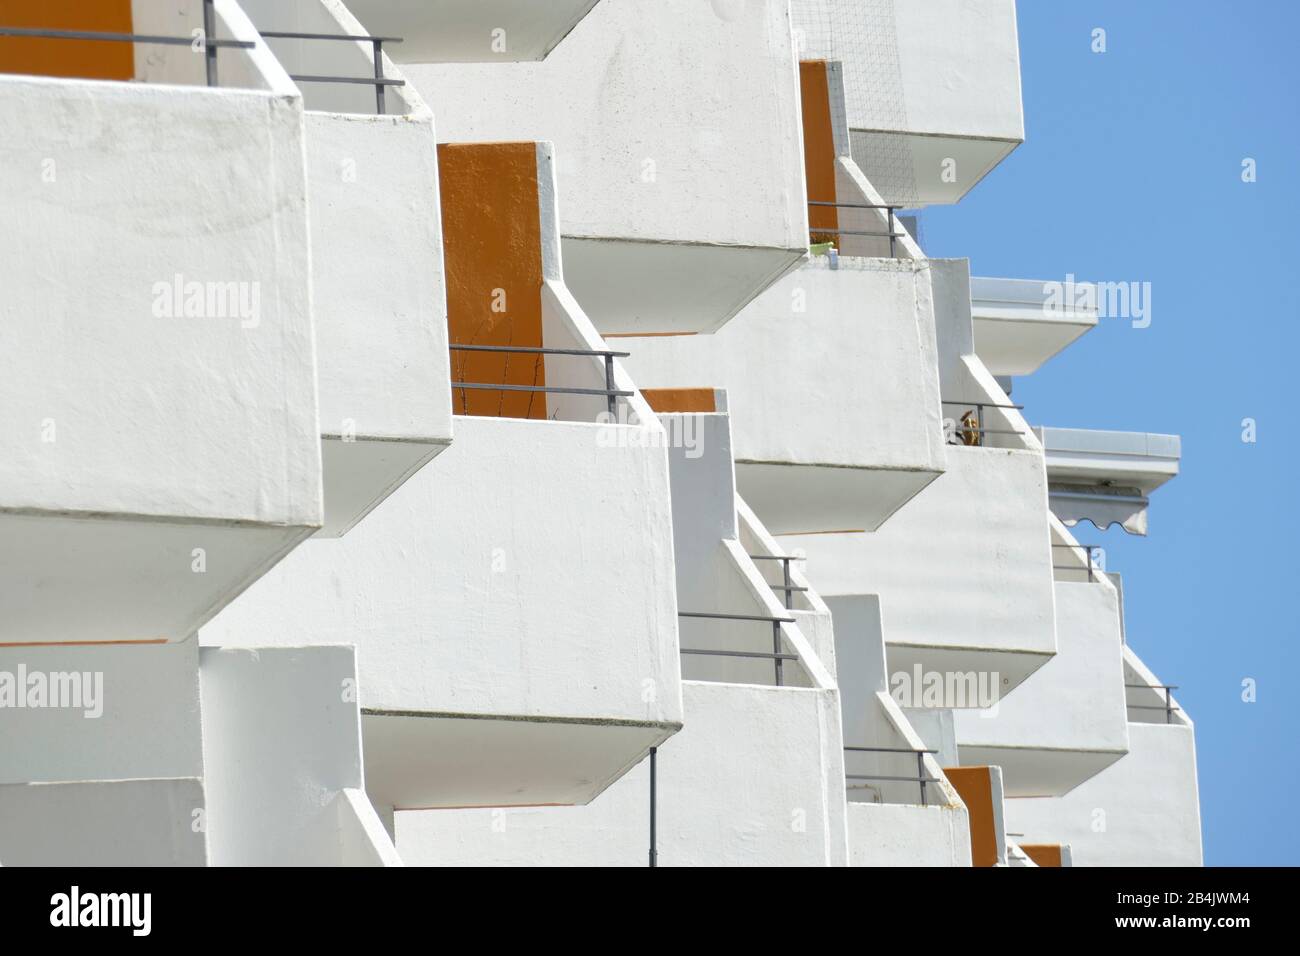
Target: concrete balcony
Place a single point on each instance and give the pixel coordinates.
(1140, 811)
(517, 637)
(159, 398)
(1021, 323)
(472, 31)
(381, 319)
(677, 206)
(1107, 477)
(1066, 723)
(832, 376)
(933, 90)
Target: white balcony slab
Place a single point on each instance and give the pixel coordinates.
(832, 381)
(1107, 477)
(159, 391)
(933, 90)
(1021, 323)
(720, 800)
(1066, 722)
(676, 207)
(472, 31)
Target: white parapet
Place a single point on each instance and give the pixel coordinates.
(159, 398)
(932, 89)
(472, 31)
(832, 379)
(677, 206)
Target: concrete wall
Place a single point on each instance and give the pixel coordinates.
(894, 835)
(749, 781)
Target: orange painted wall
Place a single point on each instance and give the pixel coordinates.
(492, 251)
(1044, 854)
(680, 399)
(975, 785)
(88, 59)
(818, 148)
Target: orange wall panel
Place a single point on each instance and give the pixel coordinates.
(1044, 854)
(87, 59)
(975, 785)
(492, 251)
(680, 399)
(819, 158)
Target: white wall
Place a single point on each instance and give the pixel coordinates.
(895, 835)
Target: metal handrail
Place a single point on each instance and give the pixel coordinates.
(788, 589)
(920, 777)
(893, 236)
(777, 657)
(210, 44)
(1089, 548)
(380, 82)
(611, 393)
(1168, 707)
(979, 430)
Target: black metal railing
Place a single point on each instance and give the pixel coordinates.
(777, 658)
(208, 44)
(1089, 549)
(787, 589)
(891, 215)
(1168, 706)
(921, 778)
(972, 430)
(379, 81)
(654, 806)
(611, 393)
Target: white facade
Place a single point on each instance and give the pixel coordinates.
(667, 503)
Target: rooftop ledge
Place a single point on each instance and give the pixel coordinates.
(1021, 323)
(1106, 477)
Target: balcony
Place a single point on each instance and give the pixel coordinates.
(472, 31)
(932, 91)
(517, 637)
(677, 208)
(1066, 722)
(1021, 323)
(833, 378)
(159, 396)
(715, 797)
(1107, 477)
(372, 184)
(1142, 810)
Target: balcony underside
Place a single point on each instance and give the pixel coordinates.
(800, 499)
(432, 761)
(82, 579)
(1008, 665)
(644, 287)
(1019, 344)
(1040, 772)
(359, 474)
(463, 31)
(908, 169)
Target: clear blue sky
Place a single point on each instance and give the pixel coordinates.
(1131, 171)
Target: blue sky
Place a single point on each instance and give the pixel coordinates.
(1131, 171)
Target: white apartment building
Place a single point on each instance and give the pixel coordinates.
(488, 432)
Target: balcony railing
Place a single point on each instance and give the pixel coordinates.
(786, 590)
(1089, 549)
(379, 81)
(777, 658)
(921, 777)
(1168, 706)
(611, 393)
(206, 43)
(893, 235)
(972, 431)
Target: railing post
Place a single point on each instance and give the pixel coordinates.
(654, 852)
(789, 595)
(1169, 708)
(892, 253)
(920, 774)
(379, 75)
(609, 387)
(1088, 548)
(776, 649)
(209, 34)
